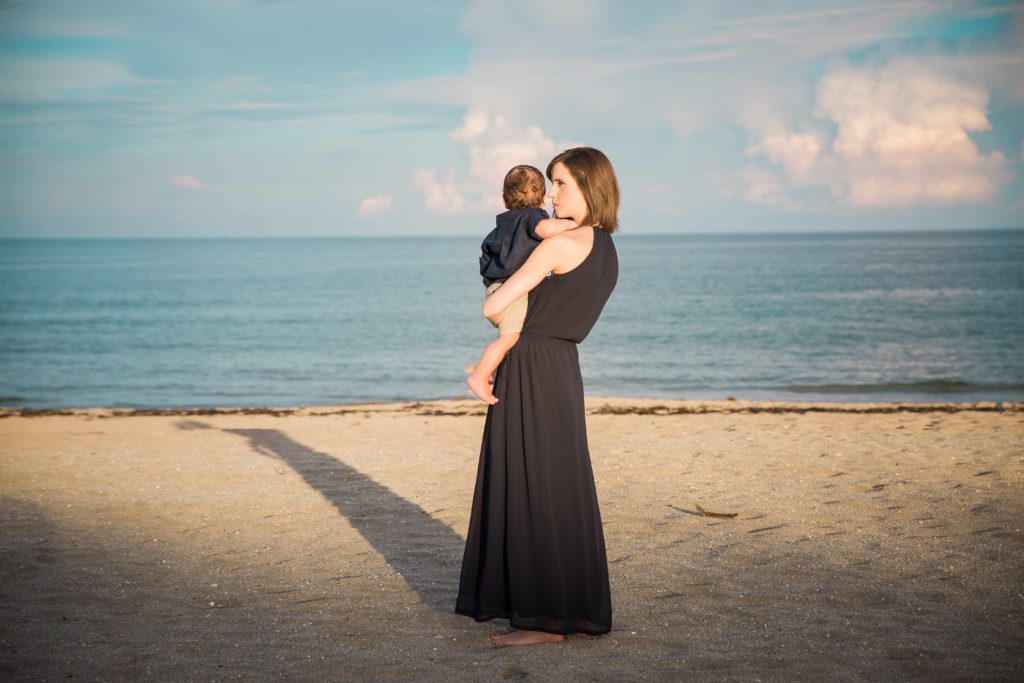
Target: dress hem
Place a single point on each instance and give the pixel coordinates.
(512, 623)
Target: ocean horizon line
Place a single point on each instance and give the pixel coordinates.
(623, 233)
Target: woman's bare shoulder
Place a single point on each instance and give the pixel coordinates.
(571, 246)
(580, 238)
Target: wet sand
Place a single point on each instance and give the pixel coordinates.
(870, 542)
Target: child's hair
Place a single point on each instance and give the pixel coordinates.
(594, 174)
(524, 188)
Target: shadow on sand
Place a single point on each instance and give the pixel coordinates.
(412, 542)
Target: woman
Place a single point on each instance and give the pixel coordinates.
(535, 550)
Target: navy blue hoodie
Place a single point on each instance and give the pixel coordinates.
(507, 247)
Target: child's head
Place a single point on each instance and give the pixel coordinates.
(524, 188)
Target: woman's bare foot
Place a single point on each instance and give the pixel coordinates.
(481, 388)
(522, 637)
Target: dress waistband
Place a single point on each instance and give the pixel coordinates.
(547, 336)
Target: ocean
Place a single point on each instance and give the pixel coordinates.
(932, 316)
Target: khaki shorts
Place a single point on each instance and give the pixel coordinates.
(514, 316)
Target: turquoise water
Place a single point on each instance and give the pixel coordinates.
(255, 322)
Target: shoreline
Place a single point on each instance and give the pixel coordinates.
(595, 405)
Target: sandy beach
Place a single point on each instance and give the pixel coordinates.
(869, 542)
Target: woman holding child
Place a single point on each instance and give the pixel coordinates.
(535, 551)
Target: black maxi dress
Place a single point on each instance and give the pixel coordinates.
(535, 552)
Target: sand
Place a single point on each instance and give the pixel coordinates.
(870, 542)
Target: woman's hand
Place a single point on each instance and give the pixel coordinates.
(542, 261)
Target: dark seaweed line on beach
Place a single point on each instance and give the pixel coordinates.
(796, 408)
(440, 411)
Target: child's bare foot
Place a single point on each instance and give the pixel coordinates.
(481, 388)
(522, 637)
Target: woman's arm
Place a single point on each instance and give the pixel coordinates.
(549, 227)
(541, 262)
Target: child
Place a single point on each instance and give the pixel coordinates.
(519, 230)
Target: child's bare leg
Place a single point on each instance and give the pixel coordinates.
(490, 359)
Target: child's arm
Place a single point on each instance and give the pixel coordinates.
(549, 227)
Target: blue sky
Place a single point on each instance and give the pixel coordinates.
(274, 118)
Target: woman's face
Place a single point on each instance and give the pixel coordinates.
(566, 198)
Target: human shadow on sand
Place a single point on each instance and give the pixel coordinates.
(423, 550)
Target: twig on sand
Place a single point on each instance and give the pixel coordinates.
(727, 515)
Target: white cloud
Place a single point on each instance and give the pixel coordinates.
(374, 206)
(441, 196)
(796, 152)
(33, 79)
(577, 61)
(693, 69)
(186, 182)
(493, 146)
(901, 138)
(474, 124)
(761, 187)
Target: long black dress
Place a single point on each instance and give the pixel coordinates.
(535, 551)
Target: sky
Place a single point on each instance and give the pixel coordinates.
(275, 118)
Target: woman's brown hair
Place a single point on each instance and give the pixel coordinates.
(593, 172)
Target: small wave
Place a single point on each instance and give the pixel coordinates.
(938, 386)
(4, 400)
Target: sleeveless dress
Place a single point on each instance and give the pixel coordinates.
(535, 552)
